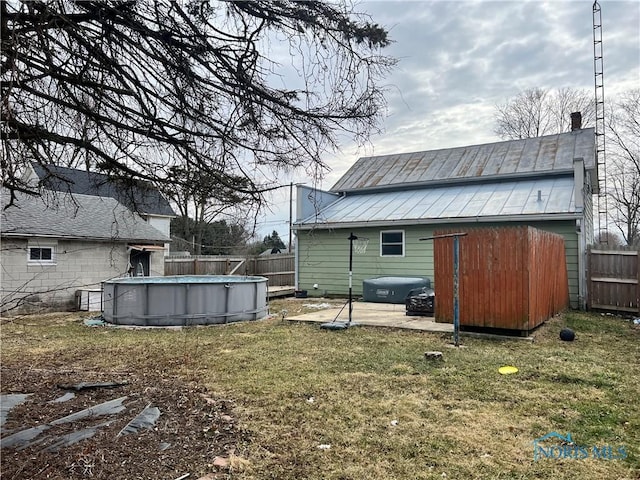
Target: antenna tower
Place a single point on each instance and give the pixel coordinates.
(598, 69)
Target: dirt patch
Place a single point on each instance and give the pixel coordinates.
(194, 431)
(291, 307)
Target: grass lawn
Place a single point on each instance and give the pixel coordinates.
(369, 393)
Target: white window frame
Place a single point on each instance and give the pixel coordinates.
(382, 232)
(35, 246)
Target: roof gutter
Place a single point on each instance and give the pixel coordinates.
(449, 182)
(86, 239)
(158, 215)
(439, 221)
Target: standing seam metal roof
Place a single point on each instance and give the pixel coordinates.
(516, 158)
(542, 197)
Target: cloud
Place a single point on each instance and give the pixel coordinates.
(458, 59)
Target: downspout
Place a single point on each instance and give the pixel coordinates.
(296, 262)
(582, 267)
(579, 192)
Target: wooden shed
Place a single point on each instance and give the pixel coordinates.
(510, 278)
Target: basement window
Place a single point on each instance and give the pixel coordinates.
(42, 255)
(392, 243)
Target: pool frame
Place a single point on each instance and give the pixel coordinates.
(184, 300)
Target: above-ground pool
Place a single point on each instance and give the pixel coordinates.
(184, 300)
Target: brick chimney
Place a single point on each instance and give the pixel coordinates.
(576, 121)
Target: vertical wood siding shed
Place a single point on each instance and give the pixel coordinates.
(510, 278)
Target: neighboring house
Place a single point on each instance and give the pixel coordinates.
(139, 196)
(394, 200)
(58, 243)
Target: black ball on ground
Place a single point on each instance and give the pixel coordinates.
(567, 335)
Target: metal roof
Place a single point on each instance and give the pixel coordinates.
(75, 216)
(543, 198)
(507, 159)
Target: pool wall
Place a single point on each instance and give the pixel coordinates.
(184, 300)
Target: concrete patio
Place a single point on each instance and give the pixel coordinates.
(375, 315)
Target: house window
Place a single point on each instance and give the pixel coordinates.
(41, 255)
(392, 243)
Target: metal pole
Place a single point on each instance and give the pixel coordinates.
(456, 271)
(290, 212)
(456, 280)
(352, 237)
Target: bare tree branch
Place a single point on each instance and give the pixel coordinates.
(538, 111)
(135, 89)
(623, 171)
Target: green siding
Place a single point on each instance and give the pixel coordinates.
(324, 259)
(323, 256)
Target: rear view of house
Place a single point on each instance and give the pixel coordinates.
(394, 200)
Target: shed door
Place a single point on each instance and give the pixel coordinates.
(140, 263)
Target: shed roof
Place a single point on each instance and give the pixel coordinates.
(139, 196)
(542, 198)
(508, 159)
(75, 216)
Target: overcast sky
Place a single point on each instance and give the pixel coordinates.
(458, 59)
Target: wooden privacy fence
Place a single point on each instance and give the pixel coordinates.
(613, 276)
(279, 268)
(510, 278)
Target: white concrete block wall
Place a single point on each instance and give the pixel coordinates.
(78, 265)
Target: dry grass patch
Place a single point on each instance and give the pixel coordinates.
(371, 396)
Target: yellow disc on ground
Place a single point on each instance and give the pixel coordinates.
(507, 370)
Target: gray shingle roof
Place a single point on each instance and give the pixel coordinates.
(75, 216)
(139, 196)
(530, 157)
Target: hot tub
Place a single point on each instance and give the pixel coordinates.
(391, 289)
(184, 300)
